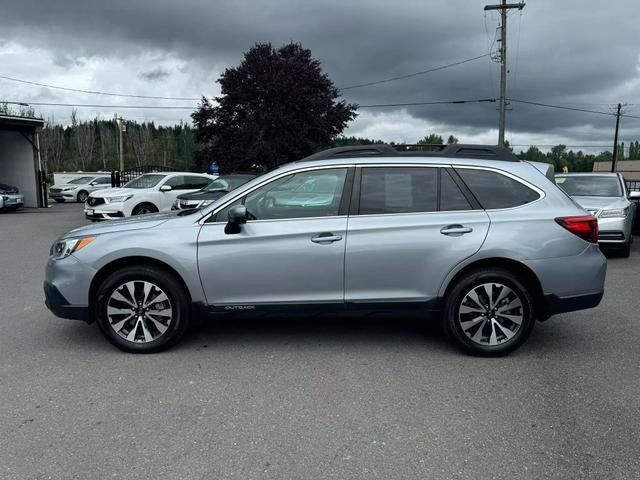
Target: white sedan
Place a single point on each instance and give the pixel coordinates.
(148, 193)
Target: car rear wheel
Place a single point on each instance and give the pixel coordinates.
(489, 312)
(142, 309)
(82, 196)
(144, 208)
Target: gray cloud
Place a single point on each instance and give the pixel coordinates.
(571, 52)
(155, 74)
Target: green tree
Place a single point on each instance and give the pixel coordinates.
(276, 106)
(452, 140)
(431, 139)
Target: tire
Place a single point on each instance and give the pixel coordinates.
(59, 200)
(82, 196)
(144, 208)
(625, 251)
(143, 330)
(473, 328)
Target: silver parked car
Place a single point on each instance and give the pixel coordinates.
(470, 235)
(605, 196)
(10, 197)
(78, 189)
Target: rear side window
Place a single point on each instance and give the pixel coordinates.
(398, 190)
(495, 190)
(451, 197)
(103, 180)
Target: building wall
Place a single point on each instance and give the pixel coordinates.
(630, 169)
(17, 166)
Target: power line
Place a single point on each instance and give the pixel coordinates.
(560, 107)
(436, 102)
(97, 105)
(94, 92)
(410, 75)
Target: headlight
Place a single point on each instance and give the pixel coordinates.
(68, 188)
(118, 199)
(204, 203)
(614, 212)
(63, 248)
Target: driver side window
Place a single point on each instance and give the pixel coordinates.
(314, 193)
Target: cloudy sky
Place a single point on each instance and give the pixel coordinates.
(582, 54)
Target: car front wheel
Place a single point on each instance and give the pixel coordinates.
(82, 196)
(489, 312)
(142, 309)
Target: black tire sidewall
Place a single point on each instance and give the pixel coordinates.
(152, 208)
(163, 279)
(80, 193)
(454, 330)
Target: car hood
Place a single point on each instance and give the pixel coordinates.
(4, 188)
(137, 222)
(598, 203)
(202, 195)
(113, 192)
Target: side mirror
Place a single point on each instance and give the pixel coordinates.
(93, 184)
(634, 195)
(165, 188)
(237, 216)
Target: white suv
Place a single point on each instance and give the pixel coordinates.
(78, 189)
(148, 193)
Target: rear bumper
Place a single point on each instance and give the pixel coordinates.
(60, 307)
(556, 304)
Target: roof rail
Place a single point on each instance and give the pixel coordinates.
(491, 152)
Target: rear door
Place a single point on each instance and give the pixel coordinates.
(409, 226)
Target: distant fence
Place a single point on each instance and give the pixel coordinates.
(119, 178)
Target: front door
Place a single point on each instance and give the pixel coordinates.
(412, 226)
(291, 252)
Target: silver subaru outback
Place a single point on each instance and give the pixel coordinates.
(469, 235)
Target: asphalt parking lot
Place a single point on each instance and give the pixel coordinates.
(310, 397)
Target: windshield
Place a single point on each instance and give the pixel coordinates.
(80, 181)
(590, 186)
(227, 183)
(147, 180)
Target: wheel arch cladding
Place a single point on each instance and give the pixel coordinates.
(522, 271)
(137, 261)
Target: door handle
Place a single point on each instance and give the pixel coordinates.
(326, 237)
(455, 230)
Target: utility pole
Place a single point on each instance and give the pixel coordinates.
(503, 7)
(615, 140)
(121, 128)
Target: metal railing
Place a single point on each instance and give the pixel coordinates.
(119, 178)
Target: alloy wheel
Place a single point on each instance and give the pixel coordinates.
(490, 314)
(139, 311)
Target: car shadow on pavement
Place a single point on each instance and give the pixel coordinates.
(373, 329)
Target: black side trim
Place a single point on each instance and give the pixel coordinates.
(556, 304)
(60, 307)
(354, 207)
(345, 201)
(424, 307)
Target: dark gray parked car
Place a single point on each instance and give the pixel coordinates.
(470, 235)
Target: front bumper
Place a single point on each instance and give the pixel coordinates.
(60, 307)
(12, 200)
(97, 214)
(66, 288)
(614, 230)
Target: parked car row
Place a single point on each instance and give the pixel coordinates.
(472, 236)
(606, 197)
(10, 197)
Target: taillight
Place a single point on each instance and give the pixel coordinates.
(586, 226)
